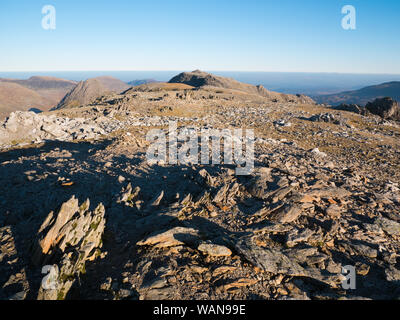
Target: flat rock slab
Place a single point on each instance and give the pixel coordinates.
(175, 237)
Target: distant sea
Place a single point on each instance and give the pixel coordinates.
(286, 82)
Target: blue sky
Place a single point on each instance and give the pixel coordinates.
(240, 35)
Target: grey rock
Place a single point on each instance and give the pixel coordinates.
(389, 226)
(392, 274)
(287, 213)
(365, 250)
(275, 261)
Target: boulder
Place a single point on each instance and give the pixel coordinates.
(386, 108)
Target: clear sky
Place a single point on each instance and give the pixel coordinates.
(240, 35)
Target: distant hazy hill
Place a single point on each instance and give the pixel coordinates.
(364, 95)
(37, 92)
(199, 78)
(87, 91)
(41, 83)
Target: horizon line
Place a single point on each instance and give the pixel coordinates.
(243, 71)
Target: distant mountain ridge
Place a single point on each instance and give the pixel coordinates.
(363, 96)
(41, 82)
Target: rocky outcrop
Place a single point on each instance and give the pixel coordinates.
(386, 108)
(67, 240)
(29, 127)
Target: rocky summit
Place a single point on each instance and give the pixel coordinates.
(85, 215)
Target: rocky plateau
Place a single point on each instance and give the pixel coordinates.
(79, 196)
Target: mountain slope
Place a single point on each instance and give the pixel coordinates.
(36, 92)
(16, 97)
(87, 91)
(364, 95)
(202, 79)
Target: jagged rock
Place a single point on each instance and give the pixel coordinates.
(129, 196)
(69, 239)
(227, 193)
(54, 224)
(209, 180)
(294, 237)
(264, 185)
(171, 238)
(157, 200)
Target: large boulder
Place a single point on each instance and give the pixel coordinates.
(387, 108)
